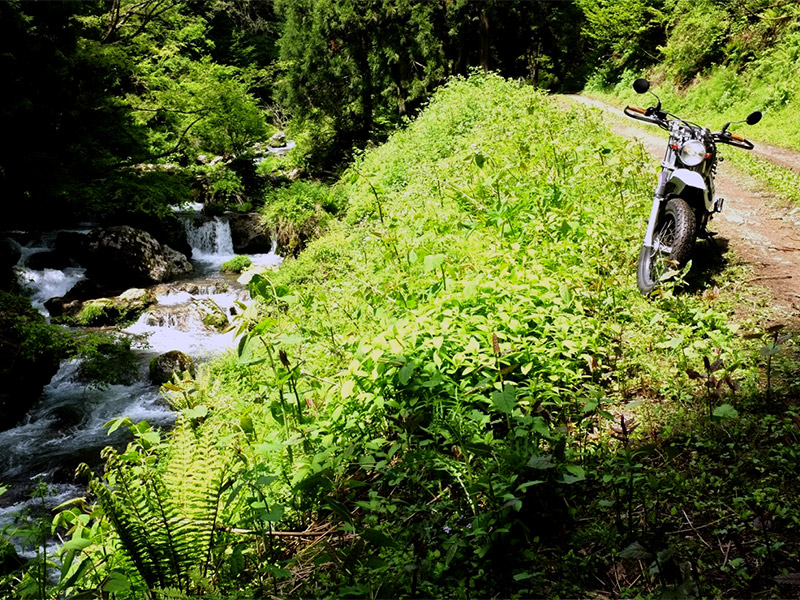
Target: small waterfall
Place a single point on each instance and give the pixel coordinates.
(45, 283)
(212, 241)
(192, 315)
(209, 236)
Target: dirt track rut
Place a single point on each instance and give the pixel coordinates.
(761, 228)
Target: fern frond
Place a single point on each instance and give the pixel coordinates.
(134, 540)
(165, 514)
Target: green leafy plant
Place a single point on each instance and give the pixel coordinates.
(237, 264)
(301, 212)
(165, 516)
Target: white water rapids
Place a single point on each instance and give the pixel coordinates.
(66, 426)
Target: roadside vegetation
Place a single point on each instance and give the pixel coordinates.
(458, 387)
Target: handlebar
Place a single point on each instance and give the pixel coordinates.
(648, 116)
(640, 114)
(734, 140)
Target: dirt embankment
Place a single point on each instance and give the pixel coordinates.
(761, 228)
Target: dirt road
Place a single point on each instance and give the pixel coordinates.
(760, 228)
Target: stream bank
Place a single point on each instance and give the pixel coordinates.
(66, 425)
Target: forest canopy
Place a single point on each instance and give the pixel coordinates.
(96, 90)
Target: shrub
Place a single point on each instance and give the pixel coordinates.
(301, 212)
(107, 361)
(237, 264)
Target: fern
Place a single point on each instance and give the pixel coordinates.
(165, 513)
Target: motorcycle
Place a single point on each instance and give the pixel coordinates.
(684, 200)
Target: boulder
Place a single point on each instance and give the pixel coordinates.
(164, 366)
(126, 255)
(249, 234)
(168, 230)
(200, 313)
(278, 140)
(211, 314)
(63, 306)
(101, 312)
(70, 304)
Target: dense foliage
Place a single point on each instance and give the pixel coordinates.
(717, 62)
(125, 102)
(458, 387)
(99, 91)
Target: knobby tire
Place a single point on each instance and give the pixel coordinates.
(673, 240)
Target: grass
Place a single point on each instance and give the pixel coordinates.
(458, 387)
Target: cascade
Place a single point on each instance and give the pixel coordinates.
(66, 426)
(209, 237)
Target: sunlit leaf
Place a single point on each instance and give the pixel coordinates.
(505, 400)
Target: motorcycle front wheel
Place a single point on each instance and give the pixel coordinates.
(673, 239)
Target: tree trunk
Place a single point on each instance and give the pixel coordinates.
(361, 57)
(484, 29)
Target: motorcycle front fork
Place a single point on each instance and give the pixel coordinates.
(659, 196)
(651, 223)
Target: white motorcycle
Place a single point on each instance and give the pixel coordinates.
(684, 199)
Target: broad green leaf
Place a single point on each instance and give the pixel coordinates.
(276, 514)
(575, 474)
(152, 437)
(347, 388)
(635, 551)
(198, 412)
(76, 544)
(541, 462)
(725, 411)
(433, 261)
(116, 583)
(405, 373)
(505, 400)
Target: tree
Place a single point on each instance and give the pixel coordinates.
(353, 64)
(97, 88)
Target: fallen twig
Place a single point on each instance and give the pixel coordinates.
(307, 533)
(697, 533)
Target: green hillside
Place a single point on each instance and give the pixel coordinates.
(458, 391)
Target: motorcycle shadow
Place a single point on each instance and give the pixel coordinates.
(709, 260)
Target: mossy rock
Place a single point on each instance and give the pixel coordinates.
(98, 313)
(165, 366)
(213, 317)
(126, 307)
(237, 264)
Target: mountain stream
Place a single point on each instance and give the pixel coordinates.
(66, 426)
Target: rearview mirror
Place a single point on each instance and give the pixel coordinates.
(754, 117)
(641, 85)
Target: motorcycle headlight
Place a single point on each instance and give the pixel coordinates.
(693, 153)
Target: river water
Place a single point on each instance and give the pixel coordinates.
(66, 426)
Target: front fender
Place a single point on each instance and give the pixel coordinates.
(683, 178)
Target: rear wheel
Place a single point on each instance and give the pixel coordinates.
(673, 239)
